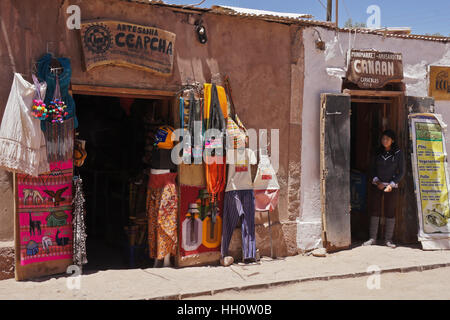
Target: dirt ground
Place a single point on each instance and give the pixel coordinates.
(428, 285)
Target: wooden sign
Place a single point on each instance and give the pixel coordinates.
(107, 42)
(373, 69)
(439, 83)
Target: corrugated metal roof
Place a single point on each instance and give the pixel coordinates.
(256, 12)
(287, 18)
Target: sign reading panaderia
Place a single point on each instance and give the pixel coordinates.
(440, 83)
(373, 69)
(108, 42)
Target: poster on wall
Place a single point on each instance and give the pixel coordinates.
(199, 231)
(429, 162)
(108, 42)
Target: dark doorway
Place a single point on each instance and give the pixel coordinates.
(369, 117)
(118, 139)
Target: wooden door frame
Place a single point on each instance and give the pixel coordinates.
(121, 92)
(397, 99)
(39, 269)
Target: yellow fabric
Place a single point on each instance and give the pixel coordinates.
(222, 99)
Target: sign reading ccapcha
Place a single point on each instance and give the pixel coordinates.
(107, 42)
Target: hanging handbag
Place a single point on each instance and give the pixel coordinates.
(57, 108)
(39, 109)
(236, 132)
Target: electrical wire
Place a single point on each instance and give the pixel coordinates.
(320, 1)
(195, 4)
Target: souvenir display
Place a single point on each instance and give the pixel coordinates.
(57, 72)
(22, 143)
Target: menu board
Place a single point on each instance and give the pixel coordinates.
(431, 176)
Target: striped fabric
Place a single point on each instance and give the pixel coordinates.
(239, 203)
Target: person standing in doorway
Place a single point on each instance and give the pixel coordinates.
(388, 169)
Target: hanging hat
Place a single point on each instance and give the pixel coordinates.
(163, 138)
(203, 194)
(79, 153)
(193, 207)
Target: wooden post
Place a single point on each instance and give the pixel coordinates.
(337, 14)
(329, 9)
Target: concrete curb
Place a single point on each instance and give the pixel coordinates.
(267, 285)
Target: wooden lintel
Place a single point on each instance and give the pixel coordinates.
(374, 93)
(121, 92)
(371, 100)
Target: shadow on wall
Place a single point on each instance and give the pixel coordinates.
(6, 206)
(282, 236)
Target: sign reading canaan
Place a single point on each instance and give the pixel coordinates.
(440, 83)
(373, 69)
(108, 42)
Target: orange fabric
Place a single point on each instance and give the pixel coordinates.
(215, 175)
(222, 100)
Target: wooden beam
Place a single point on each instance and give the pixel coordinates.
(121, 92)
(374, 93)
(371, 100)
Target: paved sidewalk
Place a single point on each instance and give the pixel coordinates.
(168, 283)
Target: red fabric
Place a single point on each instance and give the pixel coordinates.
(157, 181)
(126, 103)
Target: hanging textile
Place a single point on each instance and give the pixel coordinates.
(162, 209)
(239, 201)
(60, 140)
(236, 132)
(22, 143)
(208, 96)
(45, 73)
(192, 121)
(79, 226)
(265, 185)
(239, 204)
(215, 166)
(45, 211)
(197, 232)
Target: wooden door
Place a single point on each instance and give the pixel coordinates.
(335, 170)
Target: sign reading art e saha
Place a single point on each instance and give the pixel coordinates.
(373, 69)
(119, 43)
(440, 83)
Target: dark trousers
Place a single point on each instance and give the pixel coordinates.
(389, 198)
(239, 204)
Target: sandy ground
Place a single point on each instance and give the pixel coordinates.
(172, 283)
(428, 285)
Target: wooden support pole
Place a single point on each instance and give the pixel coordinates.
(329, 9)
(337, 13)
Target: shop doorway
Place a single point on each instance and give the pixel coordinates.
(370, 116)
(350, 128)
(119, 135)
